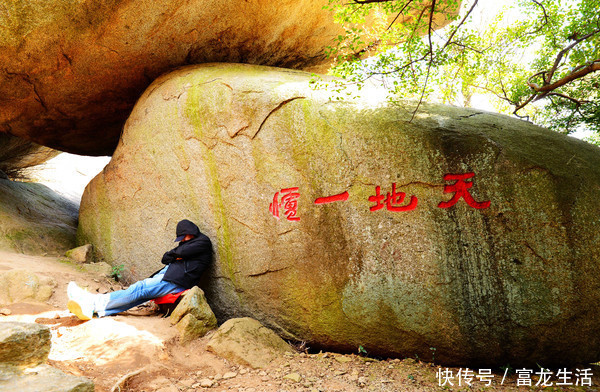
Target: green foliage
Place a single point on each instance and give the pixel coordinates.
(117, 271)
(593, 139)
(362, 351)
(538, 58)
(507, 369)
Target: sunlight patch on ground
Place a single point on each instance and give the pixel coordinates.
(99, 341)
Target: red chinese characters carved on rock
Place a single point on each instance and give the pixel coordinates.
(331, 199)
(461, 189)
(288, 202)
(287, 199)
(393, 200)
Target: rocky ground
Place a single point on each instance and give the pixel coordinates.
(140, 351)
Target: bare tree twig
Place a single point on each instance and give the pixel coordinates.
(399, 13)
(429, 64)
(459, 25)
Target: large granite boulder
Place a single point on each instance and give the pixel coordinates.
(462, 234)
(35, 220)
(72, 69)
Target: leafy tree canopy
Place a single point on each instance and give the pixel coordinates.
(539, 59)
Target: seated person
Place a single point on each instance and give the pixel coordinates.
(184, 267)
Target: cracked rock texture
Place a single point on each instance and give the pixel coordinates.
(517, 282)
(73, 69)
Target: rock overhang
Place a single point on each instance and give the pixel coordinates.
(72, 70)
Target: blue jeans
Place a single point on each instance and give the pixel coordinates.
(136, 294)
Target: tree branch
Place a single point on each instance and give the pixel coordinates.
(460, 24)
(370, 1)
(560, 55)
(399, 13)
(522, 105)
(430, 30)
(579, 73)
(466, 47)
(429, 64)
(575, 101)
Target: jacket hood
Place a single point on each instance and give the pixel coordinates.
(186, 227)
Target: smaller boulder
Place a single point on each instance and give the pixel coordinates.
(247, 342)
(21, 285)
(81, 254)
(194, 302)
(23, 344)
(42, 378)
(193, 316)
(100, 268)
(190, 328)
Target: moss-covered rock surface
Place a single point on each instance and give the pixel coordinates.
(515, 281)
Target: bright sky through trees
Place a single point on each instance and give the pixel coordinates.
(535, 59)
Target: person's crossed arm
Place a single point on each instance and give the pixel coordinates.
(184, 251)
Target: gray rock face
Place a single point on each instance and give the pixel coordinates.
(35, 220)
(17, 154)
(344, 224)
(247, 342)
(23, 344)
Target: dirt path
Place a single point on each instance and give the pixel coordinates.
(146, 348)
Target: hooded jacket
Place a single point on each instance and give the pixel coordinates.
(189, 259)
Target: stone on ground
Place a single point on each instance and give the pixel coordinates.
(194, 302)
(190, 328)
(295, 377)
(100, 268)
(23, 344)
(24, 286)
(42, 378)
(81, 254)
(389, 263)
(247, 342)
(193, 315)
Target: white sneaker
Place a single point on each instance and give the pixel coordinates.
(81, 303)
